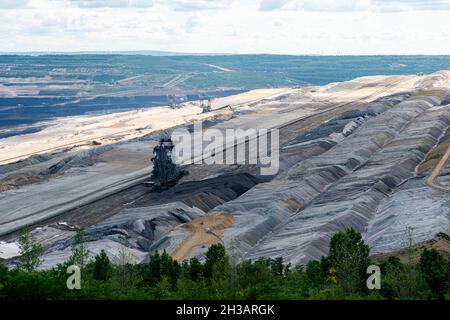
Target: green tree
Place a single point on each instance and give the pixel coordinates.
(188, 289)
(162, 265)
(222, 281)
(3, 278)
(163, 288)
(215, 255)
(314, 274)
(24, 285)
(30, 251)
(80, 254)
(170, 268)
(277, 266)
(408, 244)
(349, 256)
(153, 271)
(126, 274)
(251, 273)
(434, 270)
(394, 280)
(194, 268)
(102, 267)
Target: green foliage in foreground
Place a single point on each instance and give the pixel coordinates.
(30, 252)
(340, 275)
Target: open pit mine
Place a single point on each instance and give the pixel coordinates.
(372, 154)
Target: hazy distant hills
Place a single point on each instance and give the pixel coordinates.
(140, 52)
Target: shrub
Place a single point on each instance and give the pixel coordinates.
(435, 272)
(102, 267)
(349, 256)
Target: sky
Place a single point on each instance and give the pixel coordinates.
(227, 26)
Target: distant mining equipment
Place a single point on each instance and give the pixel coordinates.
(165, 172)
(173, 102)
(206, 105)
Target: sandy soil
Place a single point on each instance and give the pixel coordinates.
(204, 230)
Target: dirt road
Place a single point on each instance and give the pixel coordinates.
(436, 172)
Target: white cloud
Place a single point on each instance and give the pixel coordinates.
(277, 26)
(412, 4)
(356, 5)
(195, 5)
(112, 3)
(330, 5)
(269, 5)
(11, 4)
(191, 24)
(178, 5)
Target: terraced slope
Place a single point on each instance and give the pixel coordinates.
(351, 183)
(353, 191)
(354, 154)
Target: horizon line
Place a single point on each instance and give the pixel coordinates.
(178, 53)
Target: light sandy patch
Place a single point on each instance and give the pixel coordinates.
(69, 132)
(219, 68)
(9, 250)
(203, 231)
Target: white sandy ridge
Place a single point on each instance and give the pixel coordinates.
(105, 129)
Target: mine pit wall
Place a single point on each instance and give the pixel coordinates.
(146, 224)
(443, 178)
(143, 226)
(204, 194)
(414, 204)
(313, 143)
(341, 187)
(323, 185)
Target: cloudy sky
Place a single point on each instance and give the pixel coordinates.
(228, 26)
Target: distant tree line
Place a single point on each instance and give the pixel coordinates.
(340, 275)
